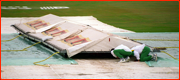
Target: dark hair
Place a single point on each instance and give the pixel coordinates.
(112, 49)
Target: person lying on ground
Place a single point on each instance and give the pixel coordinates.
(141, 53)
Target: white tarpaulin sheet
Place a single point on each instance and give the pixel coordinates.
(75, 34)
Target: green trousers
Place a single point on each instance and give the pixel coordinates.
(121, 53)
(145, 54)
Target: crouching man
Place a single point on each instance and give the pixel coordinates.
(122, 52)
(141, 53)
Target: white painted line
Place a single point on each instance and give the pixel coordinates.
(15, 7)
(53, 7)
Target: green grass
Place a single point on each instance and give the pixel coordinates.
(138, 16)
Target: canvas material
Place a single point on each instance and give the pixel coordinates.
(98, 40)
(70, 27)
(111, 42)
(50, 18)
(95, 23)
(82, 47)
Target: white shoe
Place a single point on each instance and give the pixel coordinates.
(122, 60)
(127, 59)
(154, 57)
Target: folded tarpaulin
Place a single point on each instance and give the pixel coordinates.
(73, 37)
(39, 24)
